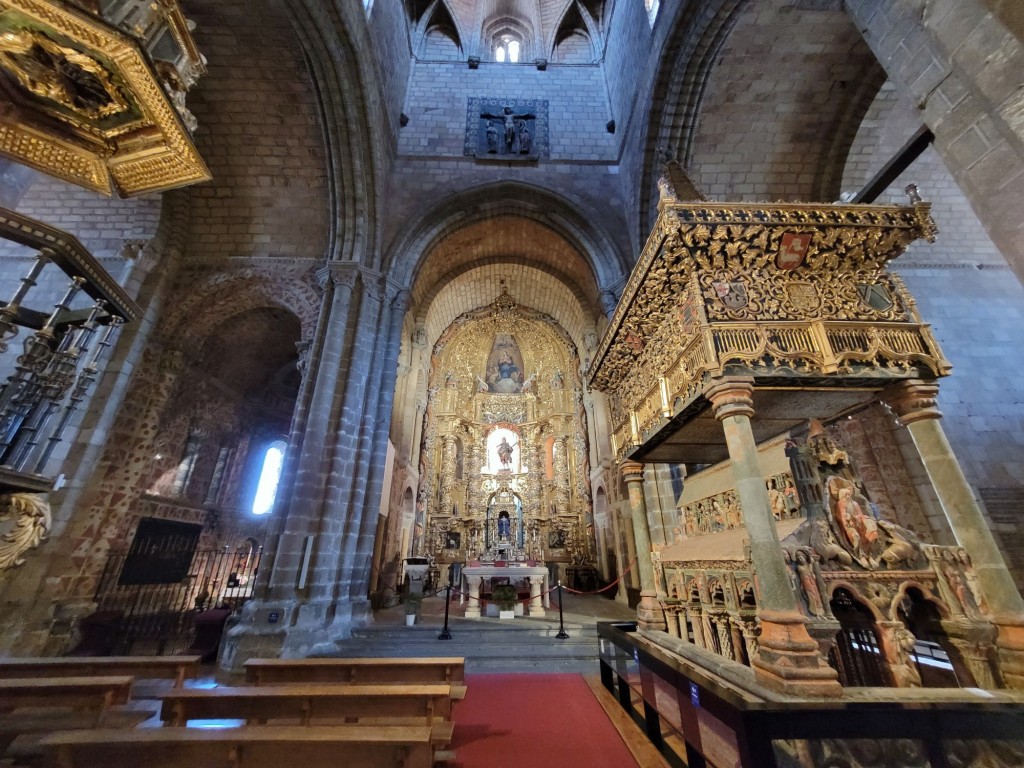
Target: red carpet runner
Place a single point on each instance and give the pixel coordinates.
(534, 721)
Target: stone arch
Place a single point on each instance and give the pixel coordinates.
(857, 596)
(515, 27)
(575, 37)
(679, 84)
(342, 66)
(219, 297)
(433, 224)
(926, 593)
(700, 92)
(966, 98)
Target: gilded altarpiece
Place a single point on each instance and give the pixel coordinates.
(504, 463)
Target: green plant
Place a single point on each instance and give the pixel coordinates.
(504, 596)
(413, 603)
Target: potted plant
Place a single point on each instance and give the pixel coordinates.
(505, 597)
(413, 603)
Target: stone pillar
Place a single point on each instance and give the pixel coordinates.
(695, 615)
(788, 658)
(914, 403)
(536, 606)
(672, 620)
(661, 503)
(473, 606)
(649, 611)
(262, 626)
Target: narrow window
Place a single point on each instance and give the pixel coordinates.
(266, 491)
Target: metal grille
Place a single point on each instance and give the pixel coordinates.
(157, 619)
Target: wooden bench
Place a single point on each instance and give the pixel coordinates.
(47, 698)
(368, 704)
(93, 693)
(354, 746)
(451, 670)
(176, 668)
(425, 703)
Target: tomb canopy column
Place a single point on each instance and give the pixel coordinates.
(787, 658)
(914, 401)
(649, 612)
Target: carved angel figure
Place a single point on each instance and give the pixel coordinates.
(33, 525)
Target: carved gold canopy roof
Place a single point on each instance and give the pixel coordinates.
(795, 297)
(82, 101)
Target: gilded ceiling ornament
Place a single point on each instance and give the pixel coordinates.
(60, 74)
(89, 105)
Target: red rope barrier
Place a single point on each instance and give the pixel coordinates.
(606, 587)
(553, 589)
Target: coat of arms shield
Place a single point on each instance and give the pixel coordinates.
(732, 294)
(875, 295)
(803, 295)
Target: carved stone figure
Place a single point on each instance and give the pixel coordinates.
(525, 139)
(492, 137)
(900, 549)
(811, 582)
(824, 546)
(823, 447)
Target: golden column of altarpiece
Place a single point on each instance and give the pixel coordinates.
(504, 468)
(740, 323)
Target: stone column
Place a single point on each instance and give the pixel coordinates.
(262, 626)
(672, 620)
(788, 658)
(473, 606)
(695, 615)
(914, 403)
(649, 611)
(536, 606)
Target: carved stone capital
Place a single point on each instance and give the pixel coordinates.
(401, 298)
(732, 397)
(632, 471)
(339, 273)
(913, 400)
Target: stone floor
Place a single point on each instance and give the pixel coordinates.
(523, 644)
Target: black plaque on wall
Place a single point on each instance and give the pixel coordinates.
(161, 552)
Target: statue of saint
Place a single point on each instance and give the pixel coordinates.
(505, 451)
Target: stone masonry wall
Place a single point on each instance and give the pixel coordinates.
(966, 290)
(577, 106)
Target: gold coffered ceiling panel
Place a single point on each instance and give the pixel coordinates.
(83, 103)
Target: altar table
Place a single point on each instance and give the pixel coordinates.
(473, 576)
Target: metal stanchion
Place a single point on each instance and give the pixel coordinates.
(445, 634)
(562, 634)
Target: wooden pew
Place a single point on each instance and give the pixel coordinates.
(451, 670)
(47, 700)
(92, 693)
(425, 703)
(176, 668)
(353, 746)
(429, 705)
